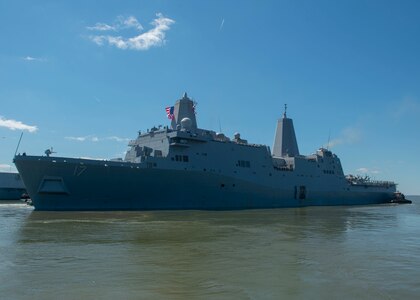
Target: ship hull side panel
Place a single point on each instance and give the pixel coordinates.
(74, 184)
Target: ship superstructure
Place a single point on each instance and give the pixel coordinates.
(11, 186)
(184, 167)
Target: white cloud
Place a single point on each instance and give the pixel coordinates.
(16, 125)
(406, 106)
(91, 138)
(82, 138)
(101, 27)
(117, 139)
(6, 168)
(365, 170)
(120, 23)
(98, 40)
(349, 135)
(155, 37)
(76, 138)
(31, 58)
(130, 22)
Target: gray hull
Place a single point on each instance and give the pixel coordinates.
(80, 184)
(11, 186)
(11, 193)
(185, 167)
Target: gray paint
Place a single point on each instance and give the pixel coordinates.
(285, 143)
(184, 109)
(11, 186)
(185, 167)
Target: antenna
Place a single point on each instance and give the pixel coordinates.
(329, 135)
(220, 126)
(17, 147)
(285, 110)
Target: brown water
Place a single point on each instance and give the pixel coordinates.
(363, 252)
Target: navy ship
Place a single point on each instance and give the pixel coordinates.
(182, 166)
(11, 186)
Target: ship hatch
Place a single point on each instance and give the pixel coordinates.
(52, 185)
(300, 192)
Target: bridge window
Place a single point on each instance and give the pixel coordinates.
(244, 163)
(181, 158)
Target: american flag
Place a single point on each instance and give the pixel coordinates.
(170, 112)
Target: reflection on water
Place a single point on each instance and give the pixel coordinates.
(318, 252)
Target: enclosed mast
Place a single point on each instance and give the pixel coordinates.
(285, 143)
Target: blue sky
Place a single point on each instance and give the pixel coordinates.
(84, 76)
